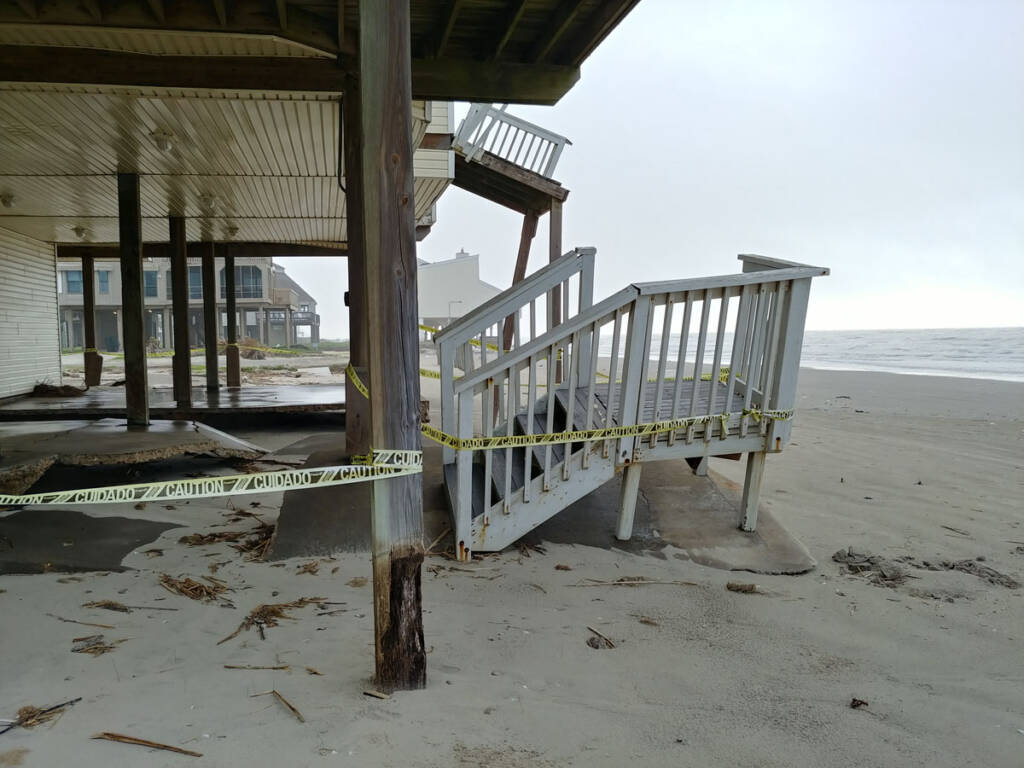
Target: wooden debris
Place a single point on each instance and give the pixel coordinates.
(434, 543)
(335, 569)
(30, 716)
(539, 588)
(83, 623)
(251, 666)
(311, 568)
(256, 546)
(743, 587)
(153, 553)
(525, 549)
(856, 703)
(94, 645)
(201, 539)
(358, 581)
(193, 589)
(121, 738)
(108, 605)
(283, 700)
(956, 530)
(52, 390)
(600, 640)
(648, 621)
(376, 694)
(269, 615)
(314, 671)
(563, 567)
(632, 581)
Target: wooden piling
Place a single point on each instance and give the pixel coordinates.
(129, 211)
(357, 407)
(182, 361)
(210, 319)
(522, 259)
(92, 359)
(234, 373)
(389, 251)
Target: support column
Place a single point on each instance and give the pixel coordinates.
(92, 358)
(210, 319)
(751, 491)
(234, 375)
(182, 361)
(628, 492)
(129, 211)
(554, 251)
(522, 259)
(357, 407)
(391, 310)
(289, 329)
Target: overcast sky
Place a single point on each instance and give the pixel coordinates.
(883, 139)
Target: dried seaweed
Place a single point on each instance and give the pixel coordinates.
(256, 546)
(30, 716)
(269, 615)
(108, 605)
(201, 539)
(193, 589)
(94, 645)
(311, 568)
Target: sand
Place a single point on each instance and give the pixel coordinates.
(699, 675)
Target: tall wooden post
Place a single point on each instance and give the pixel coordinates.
(234, 375)
(182, 361)
(522, 259)
(357, 407)
(391, 311)
(129, 212)
(210, 319)
(92, 359)
(554, 251)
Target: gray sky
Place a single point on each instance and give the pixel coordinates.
(882, 139)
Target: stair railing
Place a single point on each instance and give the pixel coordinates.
(723, 349)
(476, 338)
(493, 130)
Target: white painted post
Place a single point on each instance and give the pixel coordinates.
(464, 491)
(751, 491)
(628, 493)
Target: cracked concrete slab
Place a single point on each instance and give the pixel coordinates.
(28, 449)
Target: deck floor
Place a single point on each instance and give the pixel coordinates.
(602, 392)
(100, 402)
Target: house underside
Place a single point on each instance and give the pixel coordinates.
(219, 130)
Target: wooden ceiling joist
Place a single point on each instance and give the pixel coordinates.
(195, 250)
(222, 12)
(282, 14)
(447, 26)
(157, 7)
(439, 79)
(29, 7)
(560, 21)
(515, 13)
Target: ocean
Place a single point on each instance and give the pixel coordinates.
(975, 353)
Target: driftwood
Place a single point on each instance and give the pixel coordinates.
(122, 739)
(283, 700)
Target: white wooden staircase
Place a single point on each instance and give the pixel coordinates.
(720, 355)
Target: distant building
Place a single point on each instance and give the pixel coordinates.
(272, 307)
(451, 288)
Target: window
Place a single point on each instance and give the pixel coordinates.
(304, 307)
(276, 316)
(195, 282)
(149, 283)
(103, 280)
(73, 281)
(248, 283)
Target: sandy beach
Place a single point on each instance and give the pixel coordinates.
(925, 472)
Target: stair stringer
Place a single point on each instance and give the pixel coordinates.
(494, 530)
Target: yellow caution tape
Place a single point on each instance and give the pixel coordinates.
(350, 372)
(474, 342)
(581, 435)
(378, 465)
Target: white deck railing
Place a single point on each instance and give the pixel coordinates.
(525, 310)
(636, 349)
(493, 130)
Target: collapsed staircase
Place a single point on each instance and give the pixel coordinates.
(679, 369)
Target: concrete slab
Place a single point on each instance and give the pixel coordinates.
(100, 402)
(28, 449)
(693, 518)
(45, 540)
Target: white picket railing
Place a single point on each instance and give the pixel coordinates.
(493, 130)
(509, 320)
(653, 351)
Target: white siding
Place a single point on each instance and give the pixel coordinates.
(29, 338)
